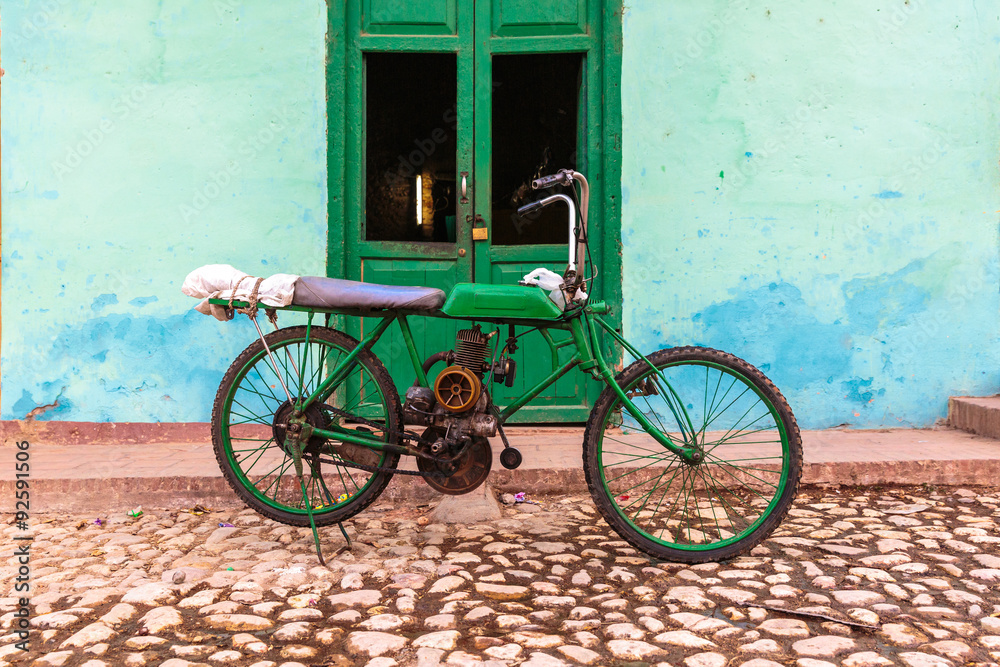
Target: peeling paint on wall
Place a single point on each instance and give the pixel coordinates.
(116, 121)
(851, 249)
(795, 191)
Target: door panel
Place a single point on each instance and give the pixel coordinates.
(411, 162)
(410, 147)
(521, 18)
(407, 141)
(492, 92)
(405, 17)
(535, 132)
(533, 117)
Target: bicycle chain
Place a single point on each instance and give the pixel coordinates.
(368, 422)
(394, 471)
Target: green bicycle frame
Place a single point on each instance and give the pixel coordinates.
(584, 341)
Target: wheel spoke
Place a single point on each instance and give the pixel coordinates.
(720, 501)
(748, 487)
(715, 516)
(723, 411)
(263, 448)
(256, 370)
(726, 436)
(251, 405)
(621, 460)
(646, 498)
(635, 446)
(712, 413)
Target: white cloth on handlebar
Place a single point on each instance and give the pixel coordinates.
(547, 280)
(218, 281)
(550, 281)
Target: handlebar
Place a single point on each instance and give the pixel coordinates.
(530, 208)
(577, 235)
(564, 177)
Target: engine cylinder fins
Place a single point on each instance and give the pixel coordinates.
(457, 388)
(472, 350)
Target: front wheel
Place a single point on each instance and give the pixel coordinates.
(746, 478)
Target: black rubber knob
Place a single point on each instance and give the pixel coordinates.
(510, 458)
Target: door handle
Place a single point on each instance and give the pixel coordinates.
(465, 187)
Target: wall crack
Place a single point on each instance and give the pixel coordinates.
(42, 409)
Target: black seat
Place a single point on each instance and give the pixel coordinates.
(316, 292)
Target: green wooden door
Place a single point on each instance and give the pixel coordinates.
(449, 108)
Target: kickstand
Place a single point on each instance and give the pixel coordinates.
(297, 461)
(312, 522)
(347, 537)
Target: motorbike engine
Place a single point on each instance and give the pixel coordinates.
(457, 412)
(457, 402)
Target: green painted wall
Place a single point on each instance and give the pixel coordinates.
(814, 187)
(141, 140)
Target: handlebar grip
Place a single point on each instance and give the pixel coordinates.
(548, 181)
(529, 208)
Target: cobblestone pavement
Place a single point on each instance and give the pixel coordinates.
(544, 585)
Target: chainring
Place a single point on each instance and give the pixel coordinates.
(470, 470)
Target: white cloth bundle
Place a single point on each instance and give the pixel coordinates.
(218, 281)
(552, 283)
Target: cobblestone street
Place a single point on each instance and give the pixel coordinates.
(912, 573)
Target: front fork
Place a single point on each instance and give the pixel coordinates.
(691, 451)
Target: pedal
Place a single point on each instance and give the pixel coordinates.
(510, 458)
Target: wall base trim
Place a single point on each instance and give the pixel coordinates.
(92, 433)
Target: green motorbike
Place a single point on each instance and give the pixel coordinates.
(690, 454)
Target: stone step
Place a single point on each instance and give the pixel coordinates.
(979, 415)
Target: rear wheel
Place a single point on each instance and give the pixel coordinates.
(251, 410)
(719, 507)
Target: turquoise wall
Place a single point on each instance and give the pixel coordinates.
(141, 140)
(814, 187)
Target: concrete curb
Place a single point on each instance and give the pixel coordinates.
(117, 494)
(975, 415)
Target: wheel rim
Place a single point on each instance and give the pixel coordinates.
(711, 504)
(263, 467)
